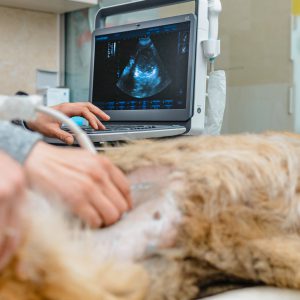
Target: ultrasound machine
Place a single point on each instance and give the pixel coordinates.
(151, 77)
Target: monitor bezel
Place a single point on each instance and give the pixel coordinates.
(155, 115)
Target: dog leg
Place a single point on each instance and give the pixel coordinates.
(243, 244)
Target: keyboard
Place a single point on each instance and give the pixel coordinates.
(123, 128)
(124, 132)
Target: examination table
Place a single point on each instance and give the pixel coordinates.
(257, 293)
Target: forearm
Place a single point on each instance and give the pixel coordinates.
(17, 142)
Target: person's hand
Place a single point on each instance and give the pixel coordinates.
(12, 195)
(51, 127)
(89, 184)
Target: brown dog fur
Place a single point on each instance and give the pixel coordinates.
(240, 202)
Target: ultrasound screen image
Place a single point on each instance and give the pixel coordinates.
(145, 75)
(142, 69)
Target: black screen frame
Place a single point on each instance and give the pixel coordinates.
(163, 114)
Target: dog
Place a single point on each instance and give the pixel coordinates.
(208, 212)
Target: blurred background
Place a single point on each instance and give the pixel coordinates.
(50, 41)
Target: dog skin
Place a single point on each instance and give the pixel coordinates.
(206, 208)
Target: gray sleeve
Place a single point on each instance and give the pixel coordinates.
(16, 141)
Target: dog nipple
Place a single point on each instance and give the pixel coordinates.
(157, 216)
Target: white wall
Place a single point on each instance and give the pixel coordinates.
(296, 59)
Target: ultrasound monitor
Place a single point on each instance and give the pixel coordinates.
(145, 71)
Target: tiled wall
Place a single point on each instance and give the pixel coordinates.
(256, 40)
(256, 54)
(28, 41)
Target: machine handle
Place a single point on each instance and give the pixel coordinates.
(105, 12)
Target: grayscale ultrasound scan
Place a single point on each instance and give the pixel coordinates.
(145, 74)
(142, 69)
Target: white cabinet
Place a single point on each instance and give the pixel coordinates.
(54, 6)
